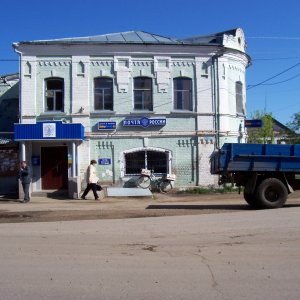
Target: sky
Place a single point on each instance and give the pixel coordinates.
(271, 27)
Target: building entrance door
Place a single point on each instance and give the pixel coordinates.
(54, 168)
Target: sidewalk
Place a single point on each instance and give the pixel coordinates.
(47, 209)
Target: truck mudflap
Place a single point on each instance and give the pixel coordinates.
(289, 188)
(251, 184)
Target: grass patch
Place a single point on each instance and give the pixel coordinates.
(212, 190)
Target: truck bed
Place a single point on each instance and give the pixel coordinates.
(256, 157)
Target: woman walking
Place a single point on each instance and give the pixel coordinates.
(92, 180)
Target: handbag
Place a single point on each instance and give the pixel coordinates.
(98, 187)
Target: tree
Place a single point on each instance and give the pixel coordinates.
(264, 134)
(294, 125)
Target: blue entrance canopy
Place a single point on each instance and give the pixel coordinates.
(48, 130)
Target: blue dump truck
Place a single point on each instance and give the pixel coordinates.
(267, 173)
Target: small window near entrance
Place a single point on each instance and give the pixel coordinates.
(54, 94)
(152, 160)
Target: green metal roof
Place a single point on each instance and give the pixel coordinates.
(135, 37)
(128, 37)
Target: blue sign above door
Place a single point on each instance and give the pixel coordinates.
(145, 122)
(107, 125)
(48, 130)
(104, 161)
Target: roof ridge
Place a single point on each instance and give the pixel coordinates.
(163, 36)
(216, 34)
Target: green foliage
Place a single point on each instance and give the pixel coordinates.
(212, 190)
(264, 134)
(294, 125)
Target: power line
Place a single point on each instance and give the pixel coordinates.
(5, 59)
(274, 37)
(276, 58)
(261, 83)
(282, 80)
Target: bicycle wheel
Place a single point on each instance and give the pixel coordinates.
(144, 182)
(165, 186)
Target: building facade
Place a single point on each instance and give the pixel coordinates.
(9, 152)
(130, 100)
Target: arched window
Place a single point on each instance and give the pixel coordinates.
(183, 93)
(27, 69)
(54, 94)
(239, 98)
(150, 159)
(103, 93)
(142, 91)
(223, 71)
(80, 68)
(204, 70)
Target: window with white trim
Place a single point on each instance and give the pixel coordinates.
(142, 90)
(103, 93)
(54, 94)
(239, 98)
(149, 159)
(183, 93)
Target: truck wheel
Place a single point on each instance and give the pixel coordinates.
(271, 193)
(250, 199)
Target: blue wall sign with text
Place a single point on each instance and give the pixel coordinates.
(253, 123)
(107, 125)
(104, 161)
(35, 160)
(145, 122)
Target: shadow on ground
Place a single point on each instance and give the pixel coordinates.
(200, 206)
(209, 206)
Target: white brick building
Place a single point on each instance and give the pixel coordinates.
(143, 100)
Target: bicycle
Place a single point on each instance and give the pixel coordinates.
(148, 179)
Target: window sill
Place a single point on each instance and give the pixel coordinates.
(102, 112)
(54, 113)
(142, 112)
(183, 112)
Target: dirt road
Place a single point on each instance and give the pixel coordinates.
(245, 254)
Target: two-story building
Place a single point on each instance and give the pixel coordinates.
(130, 100)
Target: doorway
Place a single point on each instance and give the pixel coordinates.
(54, 168)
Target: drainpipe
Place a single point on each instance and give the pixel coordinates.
(74, 159)
(15, 45)
(23, 146)
(216, 96)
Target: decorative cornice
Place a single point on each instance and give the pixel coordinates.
(51, 63)
(102, 63)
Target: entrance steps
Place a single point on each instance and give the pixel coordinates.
(108, 192)
(50, 194)
(127, 192)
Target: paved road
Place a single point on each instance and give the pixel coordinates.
(246, 254)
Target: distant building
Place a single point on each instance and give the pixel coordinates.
(130, 100)
(9, 114)
(281, 132)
